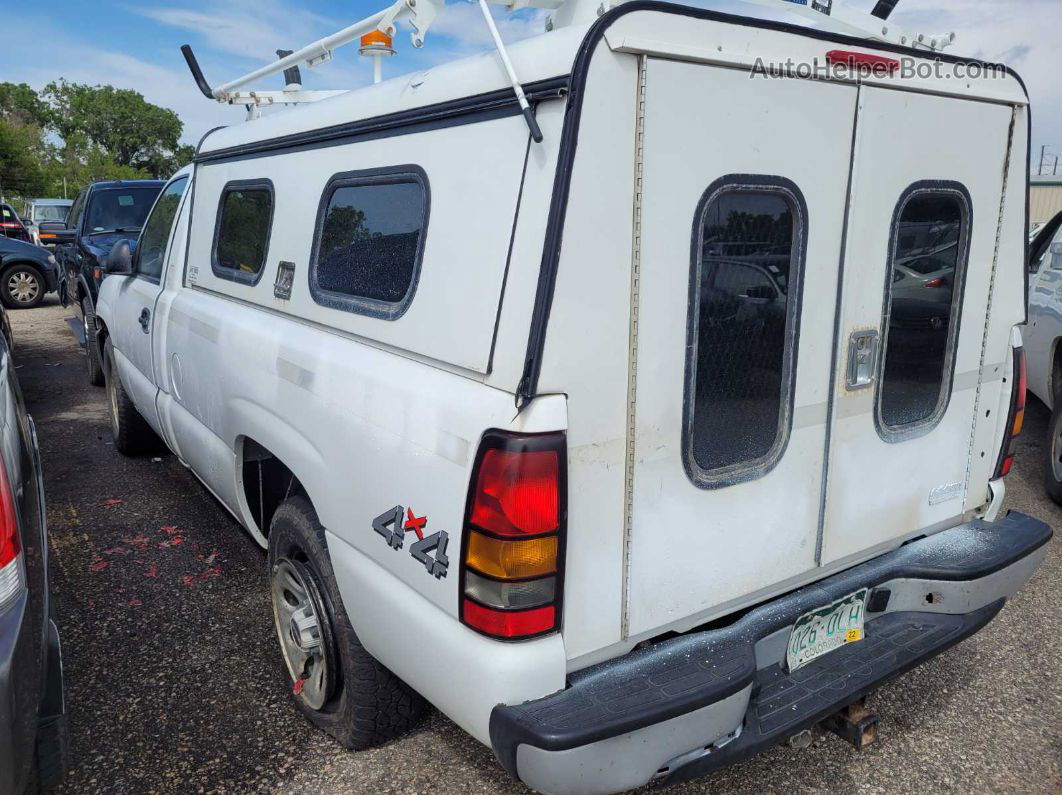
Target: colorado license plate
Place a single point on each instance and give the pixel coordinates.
(821, 631)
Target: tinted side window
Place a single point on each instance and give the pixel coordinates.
(370, 240)
(744, 304)
(922, 309)
(155, 239)
(74, 216)
(245, 218)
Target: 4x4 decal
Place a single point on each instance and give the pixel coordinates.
(389, 524)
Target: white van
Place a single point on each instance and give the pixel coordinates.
(628, 450)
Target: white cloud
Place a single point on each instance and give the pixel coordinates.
(247, 28)
(1020, 33)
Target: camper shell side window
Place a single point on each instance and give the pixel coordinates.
(369, 241)
(746, 280)
(926, 276)
(242, 230)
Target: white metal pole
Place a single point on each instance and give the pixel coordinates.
(307, 53)
(519, 89)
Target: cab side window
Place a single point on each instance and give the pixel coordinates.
(155, 239)
(241, 234)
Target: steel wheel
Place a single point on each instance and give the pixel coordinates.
(303, 630)
(23, 287)
(1056, 451)
(112, 397)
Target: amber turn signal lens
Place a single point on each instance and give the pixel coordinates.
(507, 560)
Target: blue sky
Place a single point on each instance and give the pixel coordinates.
(134, 44)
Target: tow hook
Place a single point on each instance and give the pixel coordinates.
(855, 724)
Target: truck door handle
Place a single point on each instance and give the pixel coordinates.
(145, 319)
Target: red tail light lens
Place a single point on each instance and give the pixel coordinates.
(938, 282)
(509, 623)
(517, 493)
(513, 540)
(1016, 418)
(10, 567)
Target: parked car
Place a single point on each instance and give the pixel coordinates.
(1043, 334)
(33, 735)
(101, 214)
(38, 210)
(11, 225)
(483, 447)
(27, 273)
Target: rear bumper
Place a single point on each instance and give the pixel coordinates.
(691, 704)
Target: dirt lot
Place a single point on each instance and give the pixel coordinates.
(174, 682)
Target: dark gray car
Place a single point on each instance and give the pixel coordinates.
(32, 720)
(27, 273)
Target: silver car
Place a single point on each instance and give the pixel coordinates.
(38, 210)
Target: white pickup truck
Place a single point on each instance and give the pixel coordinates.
(636, 449)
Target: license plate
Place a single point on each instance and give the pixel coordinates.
(821, 631)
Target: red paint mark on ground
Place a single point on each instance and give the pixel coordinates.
(152, 571)
(171, 530)
(98, 565)
(109, 503)
(190, 580)
(138, 541)
(117, 551)
(90, 604)
(173, 542)
(134, 602)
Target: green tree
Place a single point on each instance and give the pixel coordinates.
(133, 131)
(20, 103)
(21, 149)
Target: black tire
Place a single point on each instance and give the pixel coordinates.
(1053, 454)
(21, 286)
(132, 435)
(365, 704)
(52, 752)
(92, 351)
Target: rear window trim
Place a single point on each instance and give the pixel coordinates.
(361, 305)
(753, 469)
(223, 271)
(895, 434)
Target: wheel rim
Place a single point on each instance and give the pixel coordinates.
(300, 619)
(112, 395)
(23, 287)
(1056, 451)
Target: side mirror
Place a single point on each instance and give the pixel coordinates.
(55, 232)
(120, 260)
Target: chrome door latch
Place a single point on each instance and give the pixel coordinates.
(862, 358)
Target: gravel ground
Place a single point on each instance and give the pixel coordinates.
(174, 682)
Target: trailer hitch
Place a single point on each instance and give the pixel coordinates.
(855, 724)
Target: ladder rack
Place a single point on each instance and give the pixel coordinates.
(420, 14)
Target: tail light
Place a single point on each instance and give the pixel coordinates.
(1016, 418)
(937, 282)
(10, 551)
(513, 540)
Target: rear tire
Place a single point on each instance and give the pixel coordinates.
(21, 287)
(344, 690)
(1053, 455)
(92, 351)
(132, 435)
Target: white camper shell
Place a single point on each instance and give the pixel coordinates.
(634, 450)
